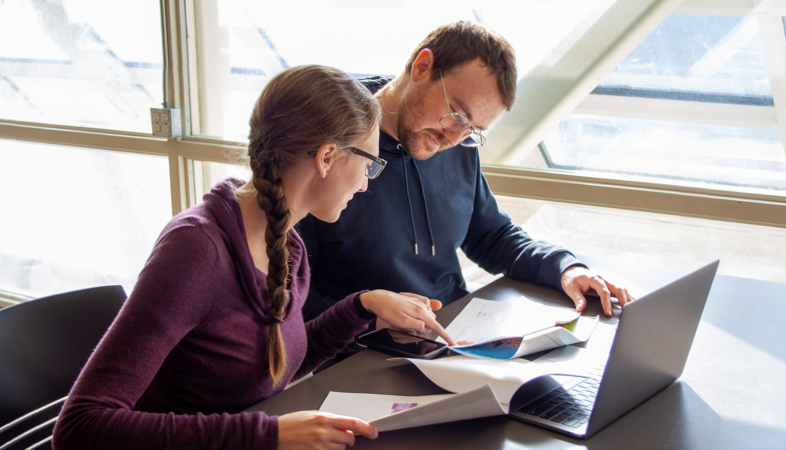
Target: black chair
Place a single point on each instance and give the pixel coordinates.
(44, 344)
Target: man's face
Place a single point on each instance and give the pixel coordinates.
(472, 92)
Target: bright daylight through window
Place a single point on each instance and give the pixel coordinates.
(691, 104)
(695, 110)
(77, 217)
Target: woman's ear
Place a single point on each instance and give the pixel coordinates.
(326, 158)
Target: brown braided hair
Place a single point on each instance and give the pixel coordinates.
(299, 110)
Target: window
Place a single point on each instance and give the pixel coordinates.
(692, 104)
(78, 79)
(77, 217)
(240, 45)
(646, 239)
(81, 62)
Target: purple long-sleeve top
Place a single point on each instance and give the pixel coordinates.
(186, 354)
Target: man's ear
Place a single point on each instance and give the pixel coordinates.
(326, 158)
(423, 65)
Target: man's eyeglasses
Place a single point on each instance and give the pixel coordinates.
(377, 164)
(453, 121)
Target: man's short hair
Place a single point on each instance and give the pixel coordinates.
(458, 43)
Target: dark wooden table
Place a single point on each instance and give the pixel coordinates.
(732, 394)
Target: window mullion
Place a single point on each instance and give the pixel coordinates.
(749, 116)
(773, 40)
(638, 196)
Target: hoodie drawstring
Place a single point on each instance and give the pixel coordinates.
(425, 205)
(409, 201)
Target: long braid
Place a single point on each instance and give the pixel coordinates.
(299, 110)
(270, 196)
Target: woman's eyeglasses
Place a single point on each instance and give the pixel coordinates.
(377, 164)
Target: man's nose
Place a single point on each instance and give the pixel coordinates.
(454, 137)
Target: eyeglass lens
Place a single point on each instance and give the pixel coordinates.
(374, 170)
(473, 140)
(457, 122)
(454, 122)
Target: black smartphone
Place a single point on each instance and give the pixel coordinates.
(402, 344)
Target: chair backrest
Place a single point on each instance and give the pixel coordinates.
(44, 344)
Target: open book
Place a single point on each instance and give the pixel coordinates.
(506, 330)
(483, 388)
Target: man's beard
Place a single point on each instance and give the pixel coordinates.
(413, 141)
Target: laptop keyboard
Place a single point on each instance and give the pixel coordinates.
(570, 407)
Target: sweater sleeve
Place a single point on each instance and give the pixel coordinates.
(499, 246)
(331, 332)
(172, 296)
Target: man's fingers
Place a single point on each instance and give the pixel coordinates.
(622, 297)
(435, 305)
(621, 294)
(599, 284)
(575, 294)
(356, 426)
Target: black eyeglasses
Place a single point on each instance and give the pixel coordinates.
(453, 121)
(377, 164)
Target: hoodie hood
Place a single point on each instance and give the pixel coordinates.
(222, 203)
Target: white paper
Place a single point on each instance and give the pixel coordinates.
(483, 388)
(414, 411)
(369, 407)
(484, 320)
(462, 374)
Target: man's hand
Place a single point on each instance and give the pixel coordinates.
(578, 281)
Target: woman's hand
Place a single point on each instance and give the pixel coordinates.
(405, 311)
(317, 430)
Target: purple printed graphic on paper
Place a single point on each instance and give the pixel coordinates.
(402, 406)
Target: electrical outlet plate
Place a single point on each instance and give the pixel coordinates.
(166, 122)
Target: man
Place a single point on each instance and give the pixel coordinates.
(432, 197)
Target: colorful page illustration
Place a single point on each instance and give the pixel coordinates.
(574, 332)
(506, 330)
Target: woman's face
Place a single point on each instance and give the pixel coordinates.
(346, 177)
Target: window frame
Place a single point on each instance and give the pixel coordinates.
(186, 153)
(609, 191)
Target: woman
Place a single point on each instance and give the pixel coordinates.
(213, 325)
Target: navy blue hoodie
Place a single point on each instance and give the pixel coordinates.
(436, 206)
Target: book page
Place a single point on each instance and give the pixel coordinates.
(485, 321)
(369, 407)
(508, 348)
(392, 412)
(462, 374)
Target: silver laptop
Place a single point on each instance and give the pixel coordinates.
(649, 351)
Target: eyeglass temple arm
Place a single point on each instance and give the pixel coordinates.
(445, 91)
